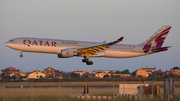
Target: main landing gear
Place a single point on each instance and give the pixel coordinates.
(88, 62)
(21, 54)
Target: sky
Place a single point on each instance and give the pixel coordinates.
(89, 20)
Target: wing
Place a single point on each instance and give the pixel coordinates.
(94, 50)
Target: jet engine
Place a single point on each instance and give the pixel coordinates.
(66, 53)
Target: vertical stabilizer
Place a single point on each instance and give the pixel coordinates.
(157, 39)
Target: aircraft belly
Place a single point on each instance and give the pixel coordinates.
(122, 54)
(54, 50)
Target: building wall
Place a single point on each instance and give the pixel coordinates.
(130, 88)
(112, 71)
(123, 75)
(63, 75)
(49, 72)
(36, 75)
(149, 73)
(101, 75)
(80, 72)
(141, 72)
(175, 71)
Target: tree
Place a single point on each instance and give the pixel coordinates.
(126, 71)
(176, 67)
(74, 75)
(134, 73)
(58, 71)
(117, 72)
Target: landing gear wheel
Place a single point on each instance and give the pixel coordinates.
(21, 55)
(84, 60)
(87, 63)
(90, 62)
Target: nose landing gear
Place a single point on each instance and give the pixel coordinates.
(21, 54)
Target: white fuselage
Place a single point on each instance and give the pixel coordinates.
(55, 46)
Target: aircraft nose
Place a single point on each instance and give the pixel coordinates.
(7, 44)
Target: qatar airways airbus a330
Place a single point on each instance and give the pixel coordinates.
(70, 48)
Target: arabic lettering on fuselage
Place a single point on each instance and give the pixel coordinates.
(40, 43)
(69, 42)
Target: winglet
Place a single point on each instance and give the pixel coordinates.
(120, 39)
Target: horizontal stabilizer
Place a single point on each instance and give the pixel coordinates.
(160, 49)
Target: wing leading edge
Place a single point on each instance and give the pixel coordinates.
(94, 50)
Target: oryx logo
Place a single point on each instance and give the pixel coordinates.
(156, 40)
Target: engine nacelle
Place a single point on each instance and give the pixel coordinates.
(66, 53)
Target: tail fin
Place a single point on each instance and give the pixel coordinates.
(157, 39)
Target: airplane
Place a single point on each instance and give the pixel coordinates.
(71, 48)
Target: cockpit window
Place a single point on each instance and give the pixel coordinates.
(11, 40)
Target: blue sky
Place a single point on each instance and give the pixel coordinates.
(89, 20)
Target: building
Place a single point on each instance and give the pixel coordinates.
(89, 75)
(149, 70)
(122, 75)
(158, 72)
(36, 75)
(96, 71)
(80, 72)
(50, 72)
(101, 75)
(22, 74)
(145, 72)
(12, 72)
(141, 72)
(63, 75)
(168, 72)
(175, 71)
(111, 71)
